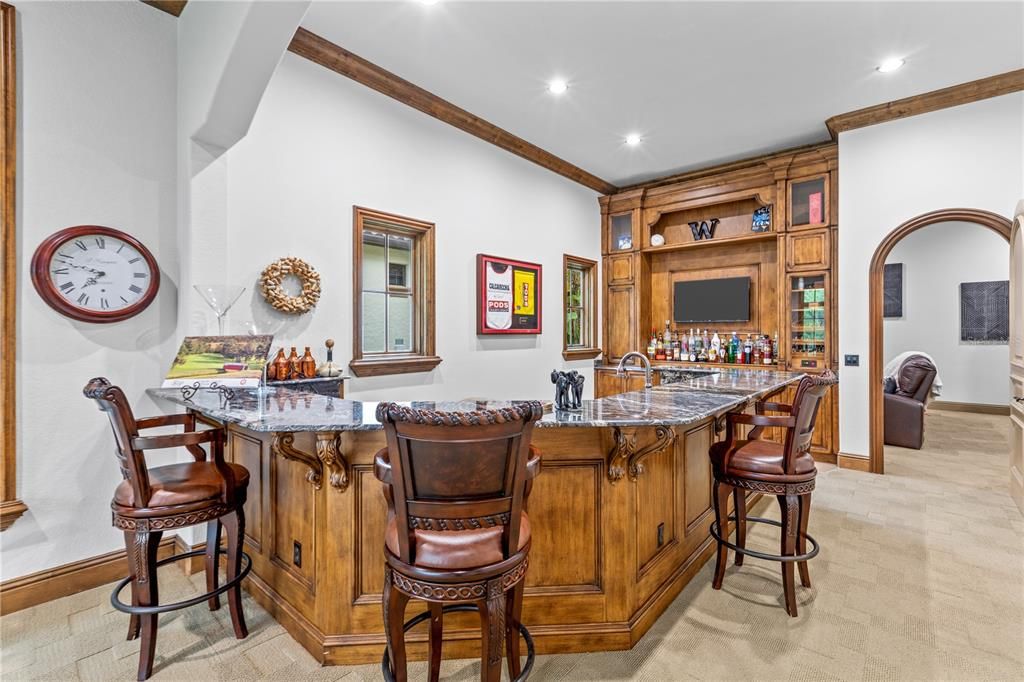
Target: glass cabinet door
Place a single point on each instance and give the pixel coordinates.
(807, 321)
(620, 237)
(808, 202)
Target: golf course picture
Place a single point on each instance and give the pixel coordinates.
(227, 360)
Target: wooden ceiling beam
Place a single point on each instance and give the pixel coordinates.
(172, 7)
(338, 59)
(964, 93)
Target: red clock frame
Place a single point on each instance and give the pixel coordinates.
(48, 292)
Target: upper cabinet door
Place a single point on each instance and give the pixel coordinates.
(621, 235)
(809, 202)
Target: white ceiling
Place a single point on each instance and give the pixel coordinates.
(702, 82)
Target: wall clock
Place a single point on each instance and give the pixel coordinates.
(95, 274)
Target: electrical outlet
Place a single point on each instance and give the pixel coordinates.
(297, 553)
(851, 360)
(661, 534)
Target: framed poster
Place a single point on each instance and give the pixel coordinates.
(508, 296)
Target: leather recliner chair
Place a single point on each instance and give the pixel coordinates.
(904, 409)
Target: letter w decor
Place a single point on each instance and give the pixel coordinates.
(705, 229)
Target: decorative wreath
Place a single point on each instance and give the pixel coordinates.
(273, 276)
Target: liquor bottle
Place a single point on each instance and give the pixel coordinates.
(748, 350)
(734, 345)
(659, 349)
(758, 351)
(775, 348)
(307, 365)
(716, 344)
(278, 364)
(767, 350)
(668, 333)
(294, 366)
(684, 347)
(652, 345)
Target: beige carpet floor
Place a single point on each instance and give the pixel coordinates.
(920, 577)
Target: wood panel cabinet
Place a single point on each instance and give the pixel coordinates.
(608, 382)
(790, 262)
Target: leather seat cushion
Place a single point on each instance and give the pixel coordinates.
(177, 484)
(761, 459)
(456, 549)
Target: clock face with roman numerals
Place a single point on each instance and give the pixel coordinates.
(95, 274)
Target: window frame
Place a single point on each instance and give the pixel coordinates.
(589, 268)
(423, 357)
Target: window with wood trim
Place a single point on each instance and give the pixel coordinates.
(579, 309)
(393, 294)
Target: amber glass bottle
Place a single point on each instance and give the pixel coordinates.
(294, 365)
(279, 368)
(308, 365)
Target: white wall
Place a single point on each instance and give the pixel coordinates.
(936, 260)
(967, 156)
(321, 143)
(96, 146)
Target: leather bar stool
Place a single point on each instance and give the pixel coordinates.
(785, 470)
(458, 536)
(150, 501)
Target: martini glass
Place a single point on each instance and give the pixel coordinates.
(220, 298)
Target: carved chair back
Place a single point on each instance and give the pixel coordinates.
(111, 399)
(809, 392)
(131, 446)
(455, 471)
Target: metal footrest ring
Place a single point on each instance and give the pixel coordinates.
(385, 662)
(716, 534)
(163, 608)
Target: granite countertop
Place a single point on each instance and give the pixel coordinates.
(689, 400)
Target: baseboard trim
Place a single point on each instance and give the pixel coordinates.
(978, 408)
(63, 581)
(855, 462)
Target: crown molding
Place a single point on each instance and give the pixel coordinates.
(336, 58)
(964, 93)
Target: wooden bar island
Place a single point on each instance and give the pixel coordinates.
(620, 512)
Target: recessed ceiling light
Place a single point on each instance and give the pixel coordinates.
(557, 86)
(633, 139)
(891, 64)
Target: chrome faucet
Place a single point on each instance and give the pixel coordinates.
(644, 361)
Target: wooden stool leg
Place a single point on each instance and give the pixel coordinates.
(722, 517)
(514, 615)
(212, 560)
(234, 525)
(492, 630)
(394, 619)
(146, 544)
(789, 505)
(801, 542)
(739, 496)
(436, 629)
(133, 619)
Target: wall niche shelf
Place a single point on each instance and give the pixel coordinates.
(734, 217)
(704, 243)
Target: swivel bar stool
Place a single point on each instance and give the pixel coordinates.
(457, 536)
(785, 470)
(148, 502)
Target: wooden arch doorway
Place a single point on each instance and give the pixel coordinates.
(876, 362)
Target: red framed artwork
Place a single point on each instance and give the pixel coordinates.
(508, 298)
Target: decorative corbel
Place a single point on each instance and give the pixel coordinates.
(328, 449)
(283, 444)
(625, 458)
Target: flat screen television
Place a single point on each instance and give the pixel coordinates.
(712, 300)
